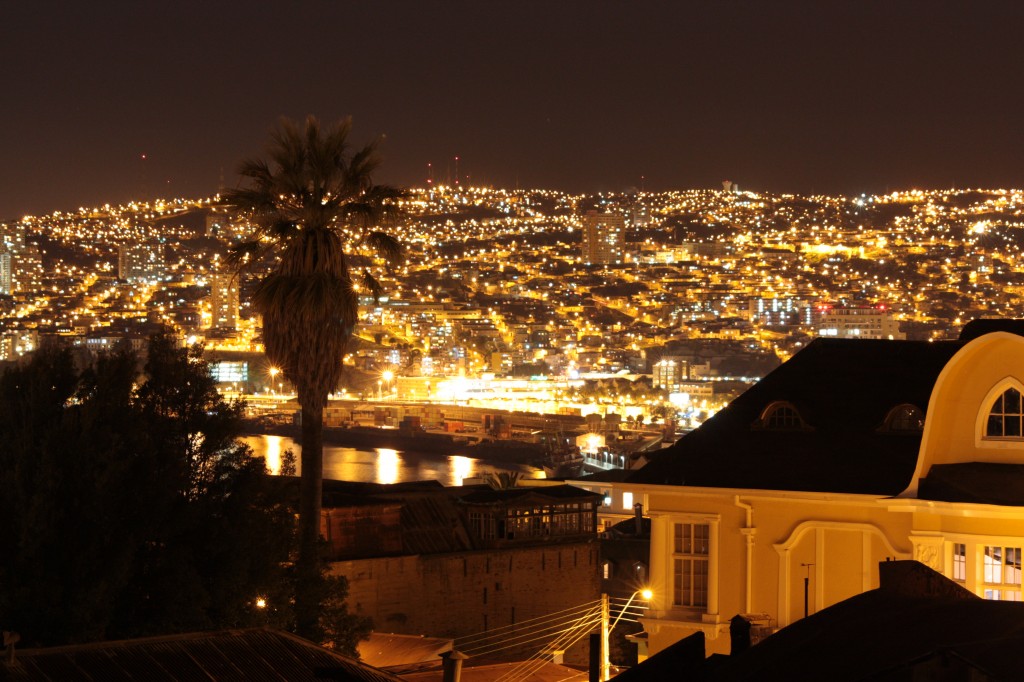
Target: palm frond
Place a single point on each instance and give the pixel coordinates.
(382, 243)
(371, 284)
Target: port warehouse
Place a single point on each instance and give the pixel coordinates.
(457, 418)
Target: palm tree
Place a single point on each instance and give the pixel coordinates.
(313, 208)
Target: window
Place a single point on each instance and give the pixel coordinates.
(781, 416)
(906, 418)
(959, 562)
(690, 564)
(1002, 573)
(1004, 419)
(482, 525)
(627, 500)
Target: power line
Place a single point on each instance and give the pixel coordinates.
(485, 650)
(564, 640)
(529, 623)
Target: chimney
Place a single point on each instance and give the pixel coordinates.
(739, 634)
(452, 665)
(638, 515)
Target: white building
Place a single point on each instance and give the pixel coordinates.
(875, 322)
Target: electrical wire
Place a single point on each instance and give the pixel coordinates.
(564, 640)
(530, 622)
(520, 641)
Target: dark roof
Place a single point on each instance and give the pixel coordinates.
(977, 482)
(522, 495)
(676, 662)
(982, 326)
(237, 655)
(884, 634)
(843, 391)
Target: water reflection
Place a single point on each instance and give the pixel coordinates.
(462, 468)
(273, 453)
(387, 465)
(383, 465)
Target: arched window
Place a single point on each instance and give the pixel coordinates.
(781, 416)
(1005, 416)
(905, 418)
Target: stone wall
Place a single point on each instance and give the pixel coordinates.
(462, 594)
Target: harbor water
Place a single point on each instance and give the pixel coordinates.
(384, 465)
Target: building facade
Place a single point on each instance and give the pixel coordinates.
(850, 454)
(604, 238)
(476, 559)
(224, 301)
(859, 323)
(141, 261)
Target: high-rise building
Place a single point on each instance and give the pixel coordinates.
(141, 261)
(224, 300)
(12, 235)
(27, 270)
(604, 237)
(6, 272)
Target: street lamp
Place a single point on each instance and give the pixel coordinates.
(606, 629)
(274, 371)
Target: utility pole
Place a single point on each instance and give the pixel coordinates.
(605, 643)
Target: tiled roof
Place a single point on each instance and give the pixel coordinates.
(234, 655)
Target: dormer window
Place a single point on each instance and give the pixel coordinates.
(1004, 419)
(905, 418)
(781, 416)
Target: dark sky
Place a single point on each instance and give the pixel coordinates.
(777, 95)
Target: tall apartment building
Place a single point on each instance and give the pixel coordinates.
(27, 270)
(859, 323)
(224, 300)
(141, 261)
(6, 272)
(604, 236)
(12, 235)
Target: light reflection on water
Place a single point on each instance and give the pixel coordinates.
(383, 465)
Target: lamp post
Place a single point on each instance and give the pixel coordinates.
(274, 371)
(606, 629)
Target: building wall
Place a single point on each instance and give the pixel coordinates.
(455, 595)
(834, 541)
(603, 237)
(763, 544)
(224, 300)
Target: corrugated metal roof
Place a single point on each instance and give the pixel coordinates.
(236, 655)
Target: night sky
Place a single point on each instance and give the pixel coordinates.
(822, 96)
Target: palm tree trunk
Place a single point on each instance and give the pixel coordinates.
(307, 592)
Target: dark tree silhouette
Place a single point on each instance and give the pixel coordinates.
(313, 206)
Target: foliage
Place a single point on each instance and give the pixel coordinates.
(503, 480)
(315, 212)
(130, 509)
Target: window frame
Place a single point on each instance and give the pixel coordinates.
(985, 411)
(687, 596)
(1000, 558)
(900, 415)
(765, 421)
